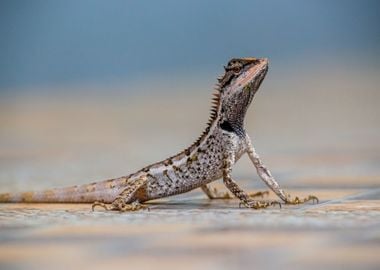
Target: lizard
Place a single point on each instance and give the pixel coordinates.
(209, 158)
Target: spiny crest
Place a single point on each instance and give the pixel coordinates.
(213, 116)
(215, 103)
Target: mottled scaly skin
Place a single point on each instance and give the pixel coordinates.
(200, 167)
(210, 158)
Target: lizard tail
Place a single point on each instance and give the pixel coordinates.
(105, 191)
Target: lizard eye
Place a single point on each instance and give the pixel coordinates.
(236, 68)
(233, 66)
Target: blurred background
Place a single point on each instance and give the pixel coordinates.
(91, 90)
(97, 89)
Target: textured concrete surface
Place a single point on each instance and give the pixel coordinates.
(191, 232)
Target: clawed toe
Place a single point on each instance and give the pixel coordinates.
(135, 206)
(259, 204)
(101, 204)
(297, 200)
(119, 205)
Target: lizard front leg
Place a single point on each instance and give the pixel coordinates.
(268, 179)
(124, 202)
(237, 191)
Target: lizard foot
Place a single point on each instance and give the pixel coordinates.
(259, 204)
(120, 205)
(297, 200)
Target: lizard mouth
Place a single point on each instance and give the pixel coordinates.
(256, 71)
(253, 74)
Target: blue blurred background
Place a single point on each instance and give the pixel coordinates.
(48, 43)
(91, 90)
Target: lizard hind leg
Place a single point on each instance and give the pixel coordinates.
(126, 201)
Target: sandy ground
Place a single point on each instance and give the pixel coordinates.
(322, 140)
(342, 232)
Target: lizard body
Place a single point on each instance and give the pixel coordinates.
(210, 158)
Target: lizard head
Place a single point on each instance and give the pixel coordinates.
(238, 86)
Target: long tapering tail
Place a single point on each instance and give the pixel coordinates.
(105, 191)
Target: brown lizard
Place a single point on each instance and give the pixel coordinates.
(209, 158)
